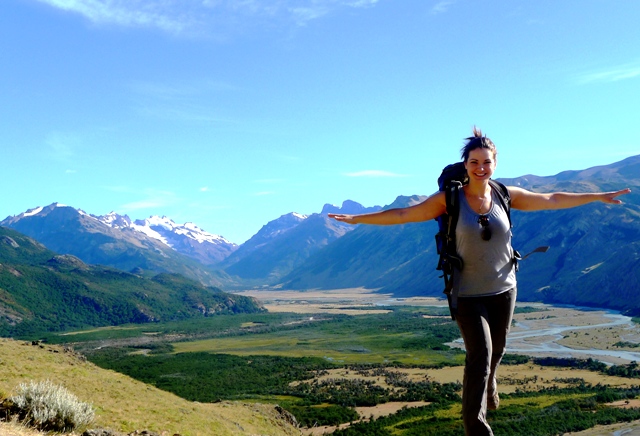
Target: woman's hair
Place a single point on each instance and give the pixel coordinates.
(477, 141)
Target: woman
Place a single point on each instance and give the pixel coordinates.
(486, 286)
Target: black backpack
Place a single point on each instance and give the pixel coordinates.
(451, 180)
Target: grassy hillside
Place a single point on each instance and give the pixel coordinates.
(125, 405)
(42, 291)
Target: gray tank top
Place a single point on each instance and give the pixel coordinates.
(488, 266)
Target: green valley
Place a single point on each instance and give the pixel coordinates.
(329, 369)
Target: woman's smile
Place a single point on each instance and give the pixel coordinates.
(481, 164)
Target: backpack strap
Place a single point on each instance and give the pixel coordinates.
(505, 200)
(503, 195)
(452, 198)
(449, 259)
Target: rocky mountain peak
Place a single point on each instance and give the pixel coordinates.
(349, 207)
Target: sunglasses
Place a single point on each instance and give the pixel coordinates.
(485, 233)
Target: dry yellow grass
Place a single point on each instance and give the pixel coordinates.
(14, 429)
(124, 404)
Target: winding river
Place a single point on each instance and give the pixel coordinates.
(540, 337)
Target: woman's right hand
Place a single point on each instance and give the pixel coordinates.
(431, 208)
(349, 219)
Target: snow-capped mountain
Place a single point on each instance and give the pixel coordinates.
(166, 229)
(114, 220)
(36, 211)
(265, 236)
(160, 244)
(273, 229)
(187, 238)
(119, 241)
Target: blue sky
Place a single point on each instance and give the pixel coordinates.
(229, 114)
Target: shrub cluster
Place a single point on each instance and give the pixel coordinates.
(49, 407)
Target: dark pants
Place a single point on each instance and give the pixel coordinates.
(484, 323)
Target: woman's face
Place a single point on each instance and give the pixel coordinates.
(481, 164)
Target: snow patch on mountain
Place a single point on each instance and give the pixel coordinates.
(165, 228)
(38, 210)
(147, 230)
(34, 211)
(114, 220)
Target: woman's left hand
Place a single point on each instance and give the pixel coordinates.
(611, 197)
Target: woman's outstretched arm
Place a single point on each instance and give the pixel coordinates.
(526, 200)
(431, 208)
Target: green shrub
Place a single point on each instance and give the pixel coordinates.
(310, 416)
(50, 407)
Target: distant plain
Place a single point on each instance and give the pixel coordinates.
(362, 301)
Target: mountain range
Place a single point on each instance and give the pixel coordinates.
(594, 257)
(145, 246)
(41, 290)
(593, 260)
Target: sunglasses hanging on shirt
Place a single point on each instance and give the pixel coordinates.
(485, 232)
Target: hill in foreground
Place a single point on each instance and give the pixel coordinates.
(125, 405)
(43, 291)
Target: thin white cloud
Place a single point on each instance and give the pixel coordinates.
(262, 193)
(442, 6)
(304, 12)
(615, 74)
(129, 13)
(361, 3)
(374, 173)
(197, 16)
(303, 15)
